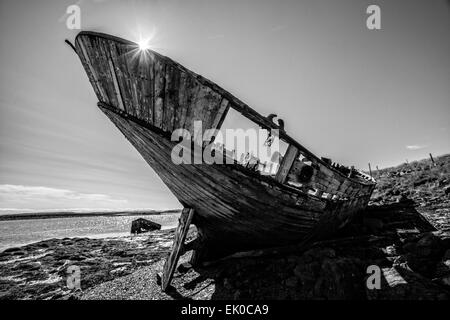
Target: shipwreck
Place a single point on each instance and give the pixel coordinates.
(234, 207)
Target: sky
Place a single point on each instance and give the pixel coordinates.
(345, 92)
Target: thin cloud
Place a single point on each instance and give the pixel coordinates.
(415, 147)
(21, 197)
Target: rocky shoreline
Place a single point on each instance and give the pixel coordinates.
(404, 235)
(39, 270)
(414, 263)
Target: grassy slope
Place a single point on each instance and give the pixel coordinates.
(426, 184)
(419, 181)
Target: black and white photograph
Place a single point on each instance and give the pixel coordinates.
(240, 151)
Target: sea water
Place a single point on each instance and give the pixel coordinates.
(20, 232)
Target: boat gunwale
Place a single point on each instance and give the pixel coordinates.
(243, 108)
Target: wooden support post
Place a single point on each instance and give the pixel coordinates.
(286, 163)
(177, 247)
(370, 170)
(199, 251)
(432, 160)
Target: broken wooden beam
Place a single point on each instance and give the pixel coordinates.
(286, 163)
(177, 247)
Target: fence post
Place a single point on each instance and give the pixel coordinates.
(432, 160)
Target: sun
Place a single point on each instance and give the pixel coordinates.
(143, 45)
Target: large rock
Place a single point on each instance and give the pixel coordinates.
(442, 274)
(143, 225)
(423, 255)
(322, 274)
(447, 190)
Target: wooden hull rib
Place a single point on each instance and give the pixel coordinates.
(148, 99)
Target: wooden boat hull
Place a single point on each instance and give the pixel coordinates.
(235, 208)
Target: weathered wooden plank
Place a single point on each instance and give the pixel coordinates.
(180, 235)
(145, 74)
(219, 117)
(171, 97)
(123, 78)
(129, 66)
(192, 105)
(152, 80)
(116, 85)
(206, 105)
(159, 83)
(203, 109)
(286, 164)
(101, 63)
(92, 74)
(221, 114)
(180, 113)
(189, 88)
(89, 70)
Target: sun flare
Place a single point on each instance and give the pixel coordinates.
(143, 45)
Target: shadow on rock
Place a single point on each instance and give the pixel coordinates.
(396, 238)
